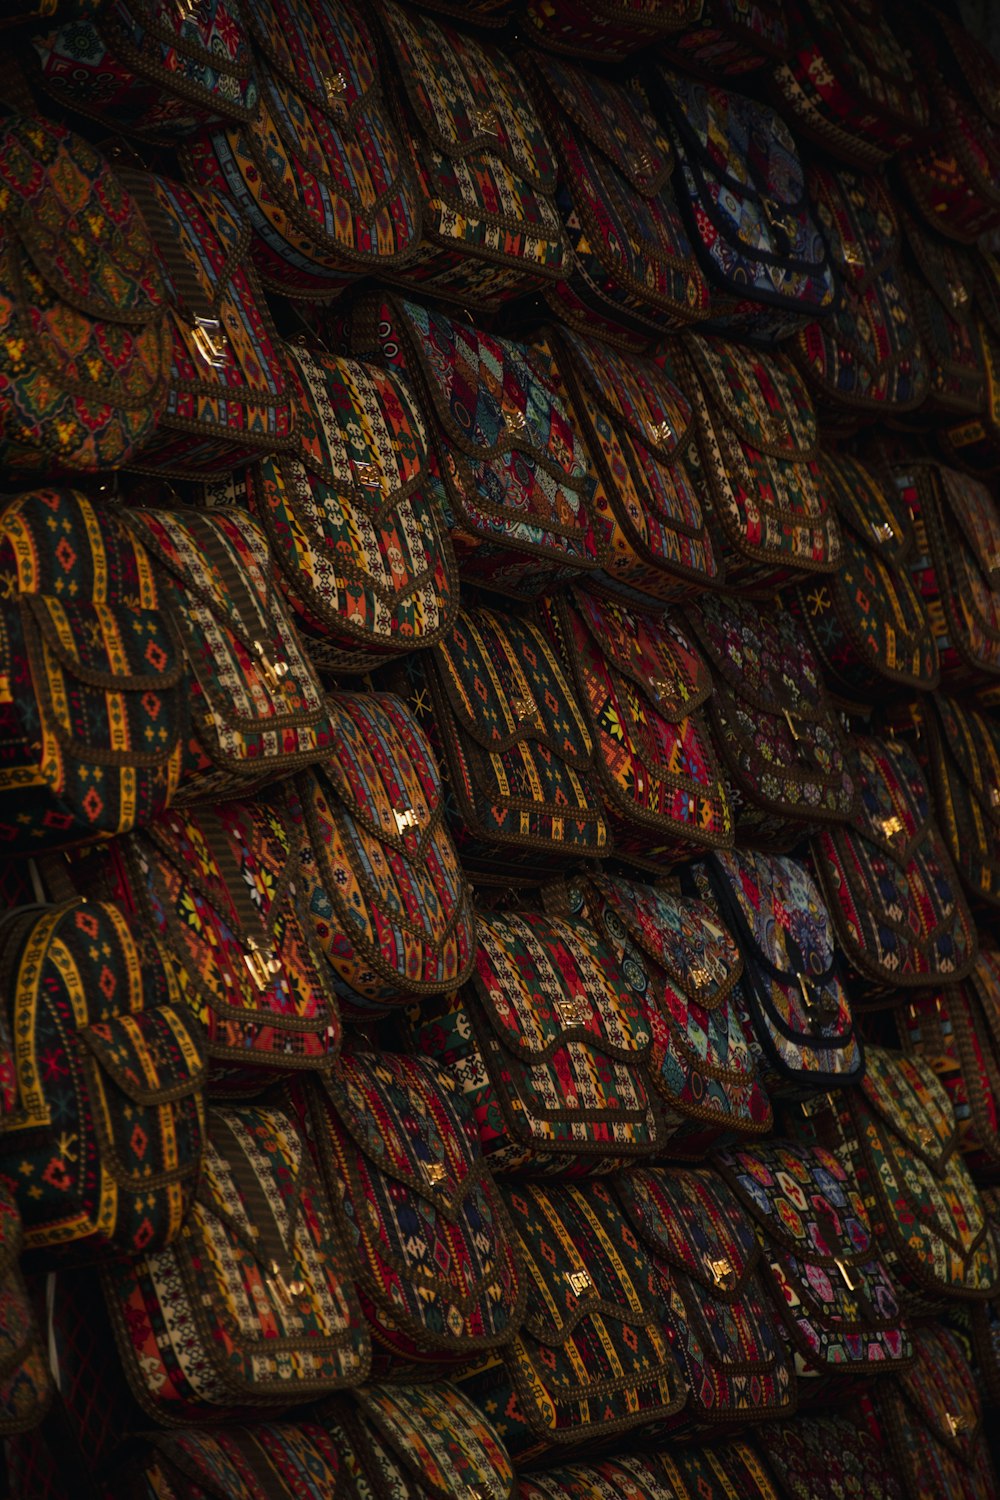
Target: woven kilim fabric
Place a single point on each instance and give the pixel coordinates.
(891, 889)
(319, 171)
(25, 1378)
(685, 966)
(722, 1324)
(633, 273)
(512, 462)
(743, 193)
(798, 1007)
(824, 1458)
(104, 1143)
(149, 67)
(92, 714)
(897, 1135)
(253, 1305)
(955, 179)
(256, 701)
(830, 1288)
(771, 516)
(268, 1461)
(484, 167)
(437, 1273)
(941, 281)
(550, 1045)
(592, 1359)
(84, 338)
(607, 29)
(363, 556)
(388, 899)
(642, 685)
(961, 758)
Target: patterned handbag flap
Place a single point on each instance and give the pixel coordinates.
(152, 66)
(803, 1200)
(268, 1461)
(974, 742)
(445, 1443)
(977, 516)
(858, 217)
(782, 912)
(691, 1220)
(615, 121)
(470, 102)
(388, 896)
(105, 1052)
(626, 1477)
(492, 398)
(26, 1385)
(79, 226)
(891, 885)
(642, 684)
(641, 397)
(683, 936)
(261, 695)
(759, 395)
(948, 269)
(742, 172)
(910, 1103)
(258, 1277)
(942, 1390)
(226, 353)
(826, 1457)
(549, 986)
(325, 53)
(432, 1242)
(865, 505)
(219, 884)
(593, 1344)
(504, 685)
(776, 724)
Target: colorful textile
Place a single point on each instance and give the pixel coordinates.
(25, 1377)
(962, 761)
(824, 1458)
(941, 283)
(607, 29)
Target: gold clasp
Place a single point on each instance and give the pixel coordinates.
(286, 1289)
(262, 968)
(851, 1285)
(405, 818)
(722, 1270)
(579, 1281)
(434, 1171)
(956, 1424)
(661, 432)
(884, 532)
(791, 724)
(780, 218)
(516, 421)
(524, 708)
(995, 796)
(210, 341)
(891, 827)
(486, 121)
(368, 475)
(274, 671)
(572, 1010)
(335, 87)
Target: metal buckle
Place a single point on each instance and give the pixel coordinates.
(572, 1010)
(995, 796)
(368, 475)
(883, 531)
(274, 671)
(486, 121)
(262, 969)
(210, 341)
(891, 827)
(791, 724)
(516, 421)
(853, 255)
(286, 1290)
(956, 1424)
(958, 293)
(579, 1281)
(335, 87)
(851, 1285)
(661, 432)
(698, 976)
(405, 818)
(524, 708)
(722, 1270)
(780, 218)
(434, 1171)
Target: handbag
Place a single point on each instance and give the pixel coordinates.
(956, 566)
(85, 346)
(632, 274)
(607, 30)
(103, 1146)
(513, 469)
(256, 703)
(833, 1295)
(731, 38)
(973, 442)
(228, 398)
(637, 421)
(351, 514)
(721, 1324)
(896, 1135)
(266, 1461)
(481, 160)
(150, 67)
(742, 192)
(252, 1307)
(867, 622)
(891, 889)
(220, 886)
(960, 754)
(592, 1359)
(550, 1046)
(92, 711)
(418, 1442)
(26, 1388)
(769, 516)
(773, 723)
(798, 1009)
(319, 171)
(642, 686)
(725, 1471)
(940, 282)
(825, 1457)
(514, 745)
(686, 966)
(849, 83)
(387, 897)
(868, 355)
(954, 179)
(438, 1274)
(931, 1420)
(956, 1028)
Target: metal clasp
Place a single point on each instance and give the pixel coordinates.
(572, 1010)
(580, 1281)
(274, 671)
(791, 724)
(722, 1270)
(434, 1171)
(262, 968)
(661, 432)
(210, 341)
(405, 818)
(849, 1282)
(891, 827)
(368, 475)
